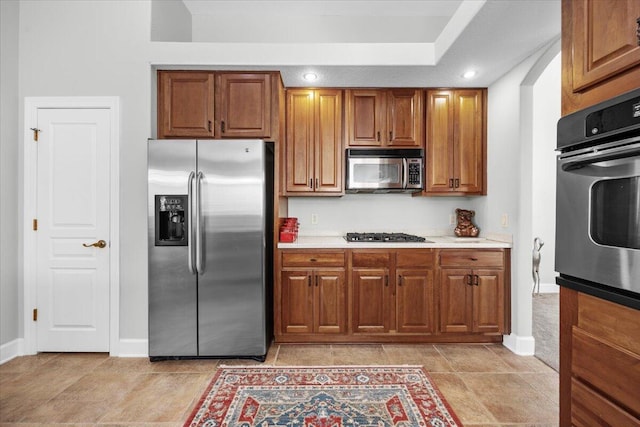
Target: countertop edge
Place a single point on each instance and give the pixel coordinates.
(338, 242)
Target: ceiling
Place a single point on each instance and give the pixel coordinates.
(380, 43)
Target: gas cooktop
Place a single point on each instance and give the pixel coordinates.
(382, 237)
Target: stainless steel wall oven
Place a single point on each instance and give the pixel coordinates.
(598, 200)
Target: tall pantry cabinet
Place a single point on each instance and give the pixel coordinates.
(599, 350)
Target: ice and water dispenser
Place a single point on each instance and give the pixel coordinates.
(171, 220)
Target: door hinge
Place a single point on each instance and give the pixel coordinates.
(35, 314)
(35, 133)
(35, 224)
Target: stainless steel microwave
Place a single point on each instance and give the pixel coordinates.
(379, 170)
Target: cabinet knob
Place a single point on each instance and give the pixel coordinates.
(451, 183)
(312, 259)
(222, 126)
(399, 280)
(378, 135)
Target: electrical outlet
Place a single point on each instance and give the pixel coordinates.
(504, 221)
(452, 219)
(314, 219)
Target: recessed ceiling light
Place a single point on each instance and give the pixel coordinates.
(469, 74)
(309, 76)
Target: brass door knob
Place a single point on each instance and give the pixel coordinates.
(99, 244)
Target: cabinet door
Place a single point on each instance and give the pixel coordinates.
(328, 141)
(300, 140)
(371, 300)
(468, 141)
(329, 302)
(415, 302)
(404, 118)
(605, 39)
(185, 104)
(297, 301)
(244, 105)
(488, 301)
(456, 298)
(439, 142)
(366, 116)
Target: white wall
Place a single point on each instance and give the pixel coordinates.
(377, 213)
(94, 48)
(170, 21)
(546, 112)
(510, 141)
(9, 143)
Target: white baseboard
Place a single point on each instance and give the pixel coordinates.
(549, 288)
(522, 346)
(11, 350)
(133, 348)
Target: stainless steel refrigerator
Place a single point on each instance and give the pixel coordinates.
(210, 248)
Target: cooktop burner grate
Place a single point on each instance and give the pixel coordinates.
(382, 237)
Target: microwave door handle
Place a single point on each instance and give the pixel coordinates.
(405, 173)
(190, 205)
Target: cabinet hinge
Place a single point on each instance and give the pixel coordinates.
(35, 314)
(35, 133)
(35, 224)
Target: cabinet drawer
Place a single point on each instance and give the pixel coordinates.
(609, 368)
(620, 325)
(589, 408)
(312, 259)
(414, 258)
(370, 259)
(471, 259)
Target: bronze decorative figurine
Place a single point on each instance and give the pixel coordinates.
(465, 227)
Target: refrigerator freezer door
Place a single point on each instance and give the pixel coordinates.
(172, 287)
(231, 288)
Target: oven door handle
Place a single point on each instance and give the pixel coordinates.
(570, 162)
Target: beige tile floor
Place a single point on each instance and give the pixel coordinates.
(486, 385)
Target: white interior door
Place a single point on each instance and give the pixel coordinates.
(73, 208)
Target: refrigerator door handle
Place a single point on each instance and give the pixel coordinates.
(190, 245)
(199, 234)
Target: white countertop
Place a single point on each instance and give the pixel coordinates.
(338, 242)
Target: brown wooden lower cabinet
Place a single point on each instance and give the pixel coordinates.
(402, 295)
(312, 293)
(599, 361)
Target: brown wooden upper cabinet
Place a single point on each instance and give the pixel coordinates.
(243, 104)
(185, 104)
(602, 42)
(384, 117)
(208, 104)
(606, 39)
(456, 142)
(314, 150)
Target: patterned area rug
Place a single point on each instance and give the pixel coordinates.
(337, 396)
